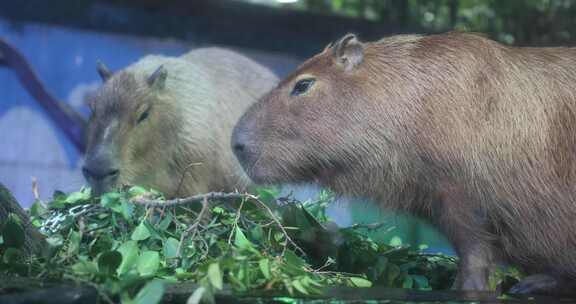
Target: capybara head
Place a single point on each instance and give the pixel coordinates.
(321, 121)
(125, 128)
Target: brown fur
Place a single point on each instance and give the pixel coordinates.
(477, 137)
(182, 147)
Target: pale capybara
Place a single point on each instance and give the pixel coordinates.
(477, 137)
(166, 122)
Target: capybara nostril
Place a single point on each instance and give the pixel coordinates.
(239, 147)
(240, 143)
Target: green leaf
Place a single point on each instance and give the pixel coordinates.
(129, 251)
(408, 282)
(421, 281)
(264, 265)
(266, 195)
(12, 255)
(171, 248)
(102, 243)
(311, 219)
(151, 293)
(117, 203)
(58, 195)
(140, 233)
(85, 267)
(55, 240)
(218, 210)
(137, 190)
(109, 261)
(360, 282)
(74, 239)
(293, 260)
(215, 275)
(58, 200)
(201, 295)
(126, 209)
(166, 221)
(393, 273)
(148, 263)
(12, 232)
(76, 197)
(298, 286)
(37, 209)
(110, 199)
(241, 241)
(257, 234)
(153, 232)
(395, 241)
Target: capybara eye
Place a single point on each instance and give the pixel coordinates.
(302, 86)
(144, 115)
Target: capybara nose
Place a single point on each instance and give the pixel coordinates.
(97, 172)
(241, 145)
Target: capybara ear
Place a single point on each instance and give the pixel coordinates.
(103, 71)
(348, 52)
(328, 46)
(158, 78)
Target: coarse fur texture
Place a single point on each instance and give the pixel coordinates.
(477, 137)
(166, 122)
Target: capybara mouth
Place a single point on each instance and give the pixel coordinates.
(325, 175)
(98, 189)
(282, 173)
(304, 173)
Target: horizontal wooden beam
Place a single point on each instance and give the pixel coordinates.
(219, 22)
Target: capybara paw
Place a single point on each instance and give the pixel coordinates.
(536, 284)
(470, 283)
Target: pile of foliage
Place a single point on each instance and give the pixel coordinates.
(130, 249)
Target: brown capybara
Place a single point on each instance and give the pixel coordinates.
(166, 122)
(477, 137)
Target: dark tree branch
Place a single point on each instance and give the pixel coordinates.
(34, 241)
(65, 118)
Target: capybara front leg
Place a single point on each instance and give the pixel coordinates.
(465, 226)
(474, 267)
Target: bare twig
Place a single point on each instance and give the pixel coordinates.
(328, 263)
(193, 228)
(371, 226)
(189, 200)
(236, 221)
(35, 191)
